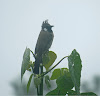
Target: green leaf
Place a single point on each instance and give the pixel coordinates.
(88, 94)
(25, 62)
(64, 71)
(48, 59)
(72, 93)
(56, 73)
(75, 66)
(47, 81)
(64, 83)
(29, 70)
(55, 92)
(28, 84)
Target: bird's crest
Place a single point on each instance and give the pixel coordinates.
(46, 25)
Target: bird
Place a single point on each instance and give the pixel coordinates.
(43, 44)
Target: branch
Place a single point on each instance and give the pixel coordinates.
(53, 67)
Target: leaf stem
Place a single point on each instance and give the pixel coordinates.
(41, 85)
(53, 67)
(37, 91)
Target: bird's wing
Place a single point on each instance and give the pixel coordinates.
(44, 42)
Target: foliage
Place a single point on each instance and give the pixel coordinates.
(25, 62)
(67, 79)
(74, 63)
(28, 84)
(47, 81)
(88, 94)
(48, 59)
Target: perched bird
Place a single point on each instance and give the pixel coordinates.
(43, 44)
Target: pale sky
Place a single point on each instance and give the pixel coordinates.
(76, 26)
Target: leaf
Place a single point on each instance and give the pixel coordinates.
(25, 62)
(56, 73)
(64, 83)
(29, 70)
(75, 66)
(47, 81)
(48, 59)
(88, 94)
(72, 93)
(55, 92)
(28, 84)
(64, 71)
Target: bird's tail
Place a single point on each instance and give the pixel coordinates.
(38, 60)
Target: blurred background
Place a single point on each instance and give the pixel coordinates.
(77, 26)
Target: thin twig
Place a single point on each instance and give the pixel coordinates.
(32, 69)
(53, 67)
(37, 91)
(41, 85)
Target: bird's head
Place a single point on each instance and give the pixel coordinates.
(46, 26)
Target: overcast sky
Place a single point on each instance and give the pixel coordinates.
(77, 26)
